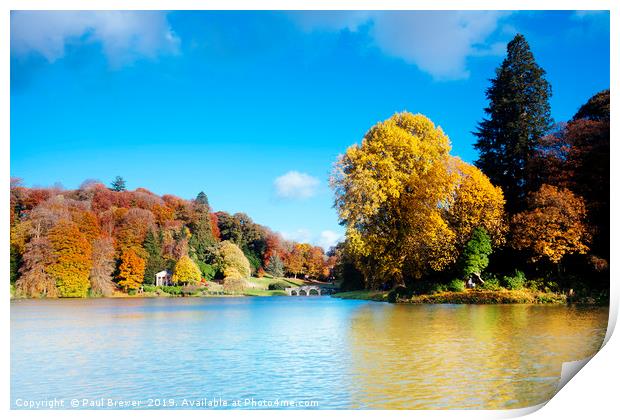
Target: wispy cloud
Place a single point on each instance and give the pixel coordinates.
(303, 236)
(296, 185)
(326, 239)
(437, 42)
(124, 35)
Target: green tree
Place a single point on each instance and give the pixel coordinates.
(475, 255)
(275, 266)
(15, 263)
(155, 261)
(202, 199)
(201, 240)
(518, 115)
(118, 184)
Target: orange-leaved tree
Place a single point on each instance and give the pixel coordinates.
(553, 225)
(131, 271)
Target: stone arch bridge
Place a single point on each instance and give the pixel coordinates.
(305, 291)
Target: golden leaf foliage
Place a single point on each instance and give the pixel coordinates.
(72, 259)
(233, 262)
(476, 203)
(407, 204)
(186, 271)
(131, 270)
(553, 226)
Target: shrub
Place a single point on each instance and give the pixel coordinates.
(172, 290)
(398, 292)
(456, 285)
(437, 288)
(234, 285)
(491, 283)
(278, 285)
(148, 288)
(535, 284)
(514, 282)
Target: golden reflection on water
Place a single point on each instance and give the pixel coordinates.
(466, 356)
(343, 354)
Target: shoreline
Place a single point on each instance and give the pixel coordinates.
(468, 297)
(473, 297)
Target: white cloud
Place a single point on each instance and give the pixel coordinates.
(300, 235)
(124, 35)
(328, 239)
(437, 42)
(296, 185)
(580, 14)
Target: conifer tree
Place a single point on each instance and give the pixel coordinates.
(118, 184)
(155, 261)
(275, 266)
(517, 116)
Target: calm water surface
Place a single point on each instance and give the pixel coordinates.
(340, 353)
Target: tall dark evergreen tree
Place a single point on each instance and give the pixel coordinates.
(517, 116)
(155, 261)
(202, 238)
(201, 199)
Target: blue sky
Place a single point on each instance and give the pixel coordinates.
(254, 107)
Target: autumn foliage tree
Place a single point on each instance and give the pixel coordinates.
(35, 281)
(103, 257)
(407, 204)
(131, 270)
(553, 226)
(72, 259)
(233, 263)
(186, 271)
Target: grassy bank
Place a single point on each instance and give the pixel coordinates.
(254, 286)
(465, 297)
(363, 295)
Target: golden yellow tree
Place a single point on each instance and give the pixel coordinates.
(475, 203)
(131, 271)
(407, 204)
(232, 261)
(553, 226)
(295, 259)
(72, 259)
(186, 271)
(388, 193)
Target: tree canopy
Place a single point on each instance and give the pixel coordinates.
(518, 115)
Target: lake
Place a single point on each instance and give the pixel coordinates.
(309, 352)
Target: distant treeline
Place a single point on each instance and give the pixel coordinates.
(96, 240)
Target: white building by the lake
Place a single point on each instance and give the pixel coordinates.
(163, 278)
